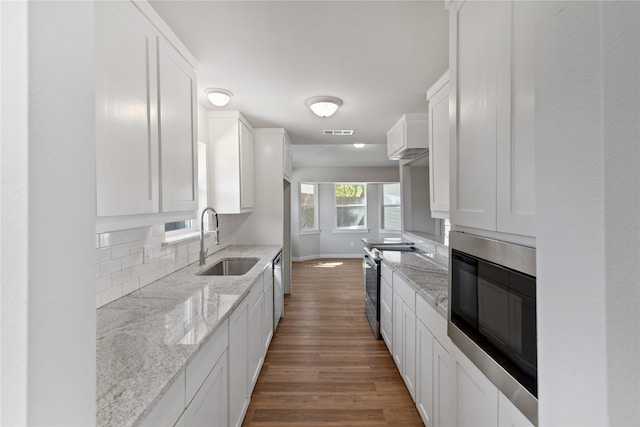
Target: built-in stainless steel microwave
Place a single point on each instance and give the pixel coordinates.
(492, 313)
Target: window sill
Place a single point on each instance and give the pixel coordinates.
(181, 238)
(351, 230)
(305, 232)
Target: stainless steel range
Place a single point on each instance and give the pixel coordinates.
(371, 273)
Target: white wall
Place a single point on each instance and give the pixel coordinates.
(588, 221)
(328, 243)
(265, 224)
(48, 214)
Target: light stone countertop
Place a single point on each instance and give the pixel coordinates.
(146, 339)
(428, 278)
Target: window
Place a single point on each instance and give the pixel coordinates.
(391, 212)
(351, 206)
(308, 207)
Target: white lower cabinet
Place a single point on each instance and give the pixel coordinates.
(476, 402)
(424, 373)
(409, 349)
(215, 388)
(386, 304)
(433, 372)
(404, 332)
(256, 342)
(267, 324)
(238, 363)
(448, 389)
(396, 351)
(509, 415)
(209, 406)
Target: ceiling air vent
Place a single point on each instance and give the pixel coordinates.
(338, 132)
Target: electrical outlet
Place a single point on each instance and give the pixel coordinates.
(147, 254)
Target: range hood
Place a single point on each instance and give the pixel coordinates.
(409, 153)
(409, 137)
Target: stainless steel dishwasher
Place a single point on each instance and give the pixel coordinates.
(278, 291)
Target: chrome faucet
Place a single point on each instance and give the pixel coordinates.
(203, 253)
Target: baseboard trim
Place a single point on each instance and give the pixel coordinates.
(312, 257)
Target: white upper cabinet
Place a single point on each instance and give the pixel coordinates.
(178, 113)
(230, 163)
(492, 143)
(438, 100)
(408, 138)
(126, 112)
(145, 115)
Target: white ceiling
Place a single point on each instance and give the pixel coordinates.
(379, 57)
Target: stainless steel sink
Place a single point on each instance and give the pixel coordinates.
(229, 267)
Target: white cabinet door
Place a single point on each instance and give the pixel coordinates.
(442, 415)
(178, 155)
(509, 415)
(397, 331)
(256, 342)
(238, 364)
(126, 106)
(492, 133)
(209, 406)
(409, 349)
(424, 373)
(474, 34)
(247, 168)
(267, 323)
(230, 163)
(386, 321)
(438, 99)
(516, 144)
(476, 396)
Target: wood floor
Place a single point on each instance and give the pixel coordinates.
(324, 367)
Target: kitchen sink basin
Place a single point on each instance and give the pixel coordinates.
(229, 267)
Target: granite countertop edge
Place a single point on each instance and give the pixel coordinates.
(241, 285)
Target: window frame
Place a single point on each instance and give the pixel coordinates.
(352, 229)
(383, 205)
(316, 206)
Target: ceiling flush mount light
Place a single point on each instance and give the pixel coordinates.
(324, 106)
(358, 145)
(218, 97)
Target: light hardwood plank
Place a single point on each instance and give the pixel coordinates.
(324, 367)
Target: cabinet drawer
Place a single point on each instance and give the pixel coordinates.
(406, 292)
(204, 360)
(387, 273)
(436, 324)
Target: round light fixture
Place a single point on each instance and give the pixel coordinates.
(324, 106)
(218, 97)
(358, 145)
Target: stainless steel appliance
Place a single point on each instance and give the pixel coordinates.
(492, 313)
(371, 273)
(278, 291)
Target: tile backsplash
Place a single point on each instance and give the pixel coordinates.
(120, 266)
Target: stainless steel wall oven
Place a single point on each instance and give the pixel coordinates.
(492, 313)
